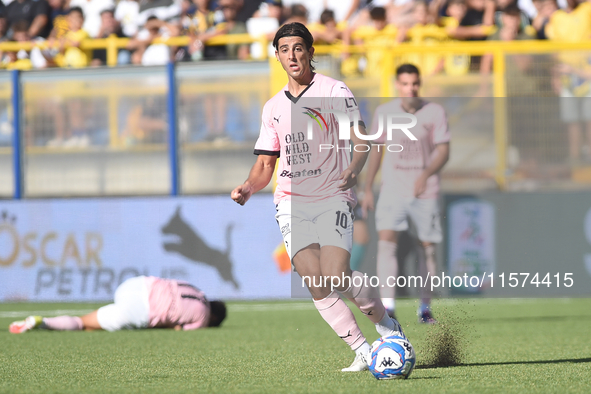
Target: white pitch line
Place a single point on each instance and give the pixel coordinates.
(287, 306)
(58, 312)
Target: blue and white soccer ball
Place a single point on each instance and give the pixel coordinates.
(392, 357)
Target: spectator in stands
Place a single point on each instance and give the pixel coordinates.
(313, 9)
(168, 11)
(249, 8)
(572, 24)
(265, 21)
(109, 27)
(69, 53)
(501, 5)
(477, 22)
(35, 12)
(326, 32)
(518, 66)
(59, 18)
(419, 19)
(230, 10)
(297, 13)
(421, 29)
(523, 82)
(510, 25)
(455, 64)
(528, 7)
(545, 9)
(344, 10)
(3, 22)
(144, 50)
(399, 12)
(201, 24)
(126, 14)
(269, 9)
(379, 33)
(92, 13)
(23, 60)
(572, 83)
(455, 12)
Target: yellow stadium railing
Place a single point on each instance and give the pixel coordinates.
(498, 50)
(113, 43)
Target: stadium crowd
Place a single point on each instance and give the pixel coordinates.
(64, 24)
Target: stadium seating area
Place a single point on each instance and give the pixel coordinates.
(71, 33)
(534, 53)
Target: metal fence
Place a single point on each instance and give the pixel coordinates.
(129, 131)
(191, 128)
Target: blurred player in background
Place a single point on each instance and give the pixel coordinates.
(319, 183)
(360, 239)
(140, 302)
(410, 185)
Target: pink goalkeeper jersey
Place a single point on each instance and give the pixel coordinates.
(175, 303)
(400, 170)
(306, 173)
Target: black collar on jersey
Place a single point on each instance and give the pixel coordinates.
(295, 99)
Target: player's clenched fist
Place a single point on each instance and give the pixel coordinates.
(242, 193)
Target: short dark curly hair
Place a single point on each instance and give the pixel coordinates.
(407, 68)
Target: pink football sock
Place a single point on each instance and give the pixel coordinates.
(338, 315)
(387, 267)
(63, 323)
(365, 297)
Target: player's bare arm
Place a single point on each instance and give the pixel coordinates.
(349, 176)
(259, 177)
(375, 160)
(440, 157)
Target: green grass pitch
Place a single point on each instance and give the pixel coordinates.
(510, 346)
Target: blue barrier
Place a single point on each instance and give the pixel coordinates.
(173, 150)
(17, 144)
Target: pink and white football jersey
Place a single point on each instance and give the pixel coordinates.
(175, 303)
(305, 172)
(400, 170)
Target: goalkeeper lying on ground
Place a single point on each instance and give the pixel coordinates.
(140, 302)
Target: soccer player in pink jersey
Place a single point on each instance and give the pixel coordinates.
(410, 184)
(140, 302)
(314, 186)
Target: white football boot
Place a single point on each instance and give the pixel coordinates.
(398, 328)
(359, 364)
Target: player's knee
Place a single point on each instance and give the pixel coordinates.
(388, 235)
(360, 232)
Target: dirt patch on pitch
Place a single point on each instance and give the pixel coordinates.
(447, 341)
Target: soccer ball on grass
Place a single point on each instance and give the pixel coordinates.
(392, 357)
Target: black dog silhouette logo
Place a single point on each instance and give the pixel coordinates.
(189, 244)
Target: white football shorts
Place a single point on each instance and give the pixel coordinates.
(325, 223)
(394, 213)
(130, 309)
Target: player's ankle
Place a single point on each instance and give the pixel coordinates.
(364, 349)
